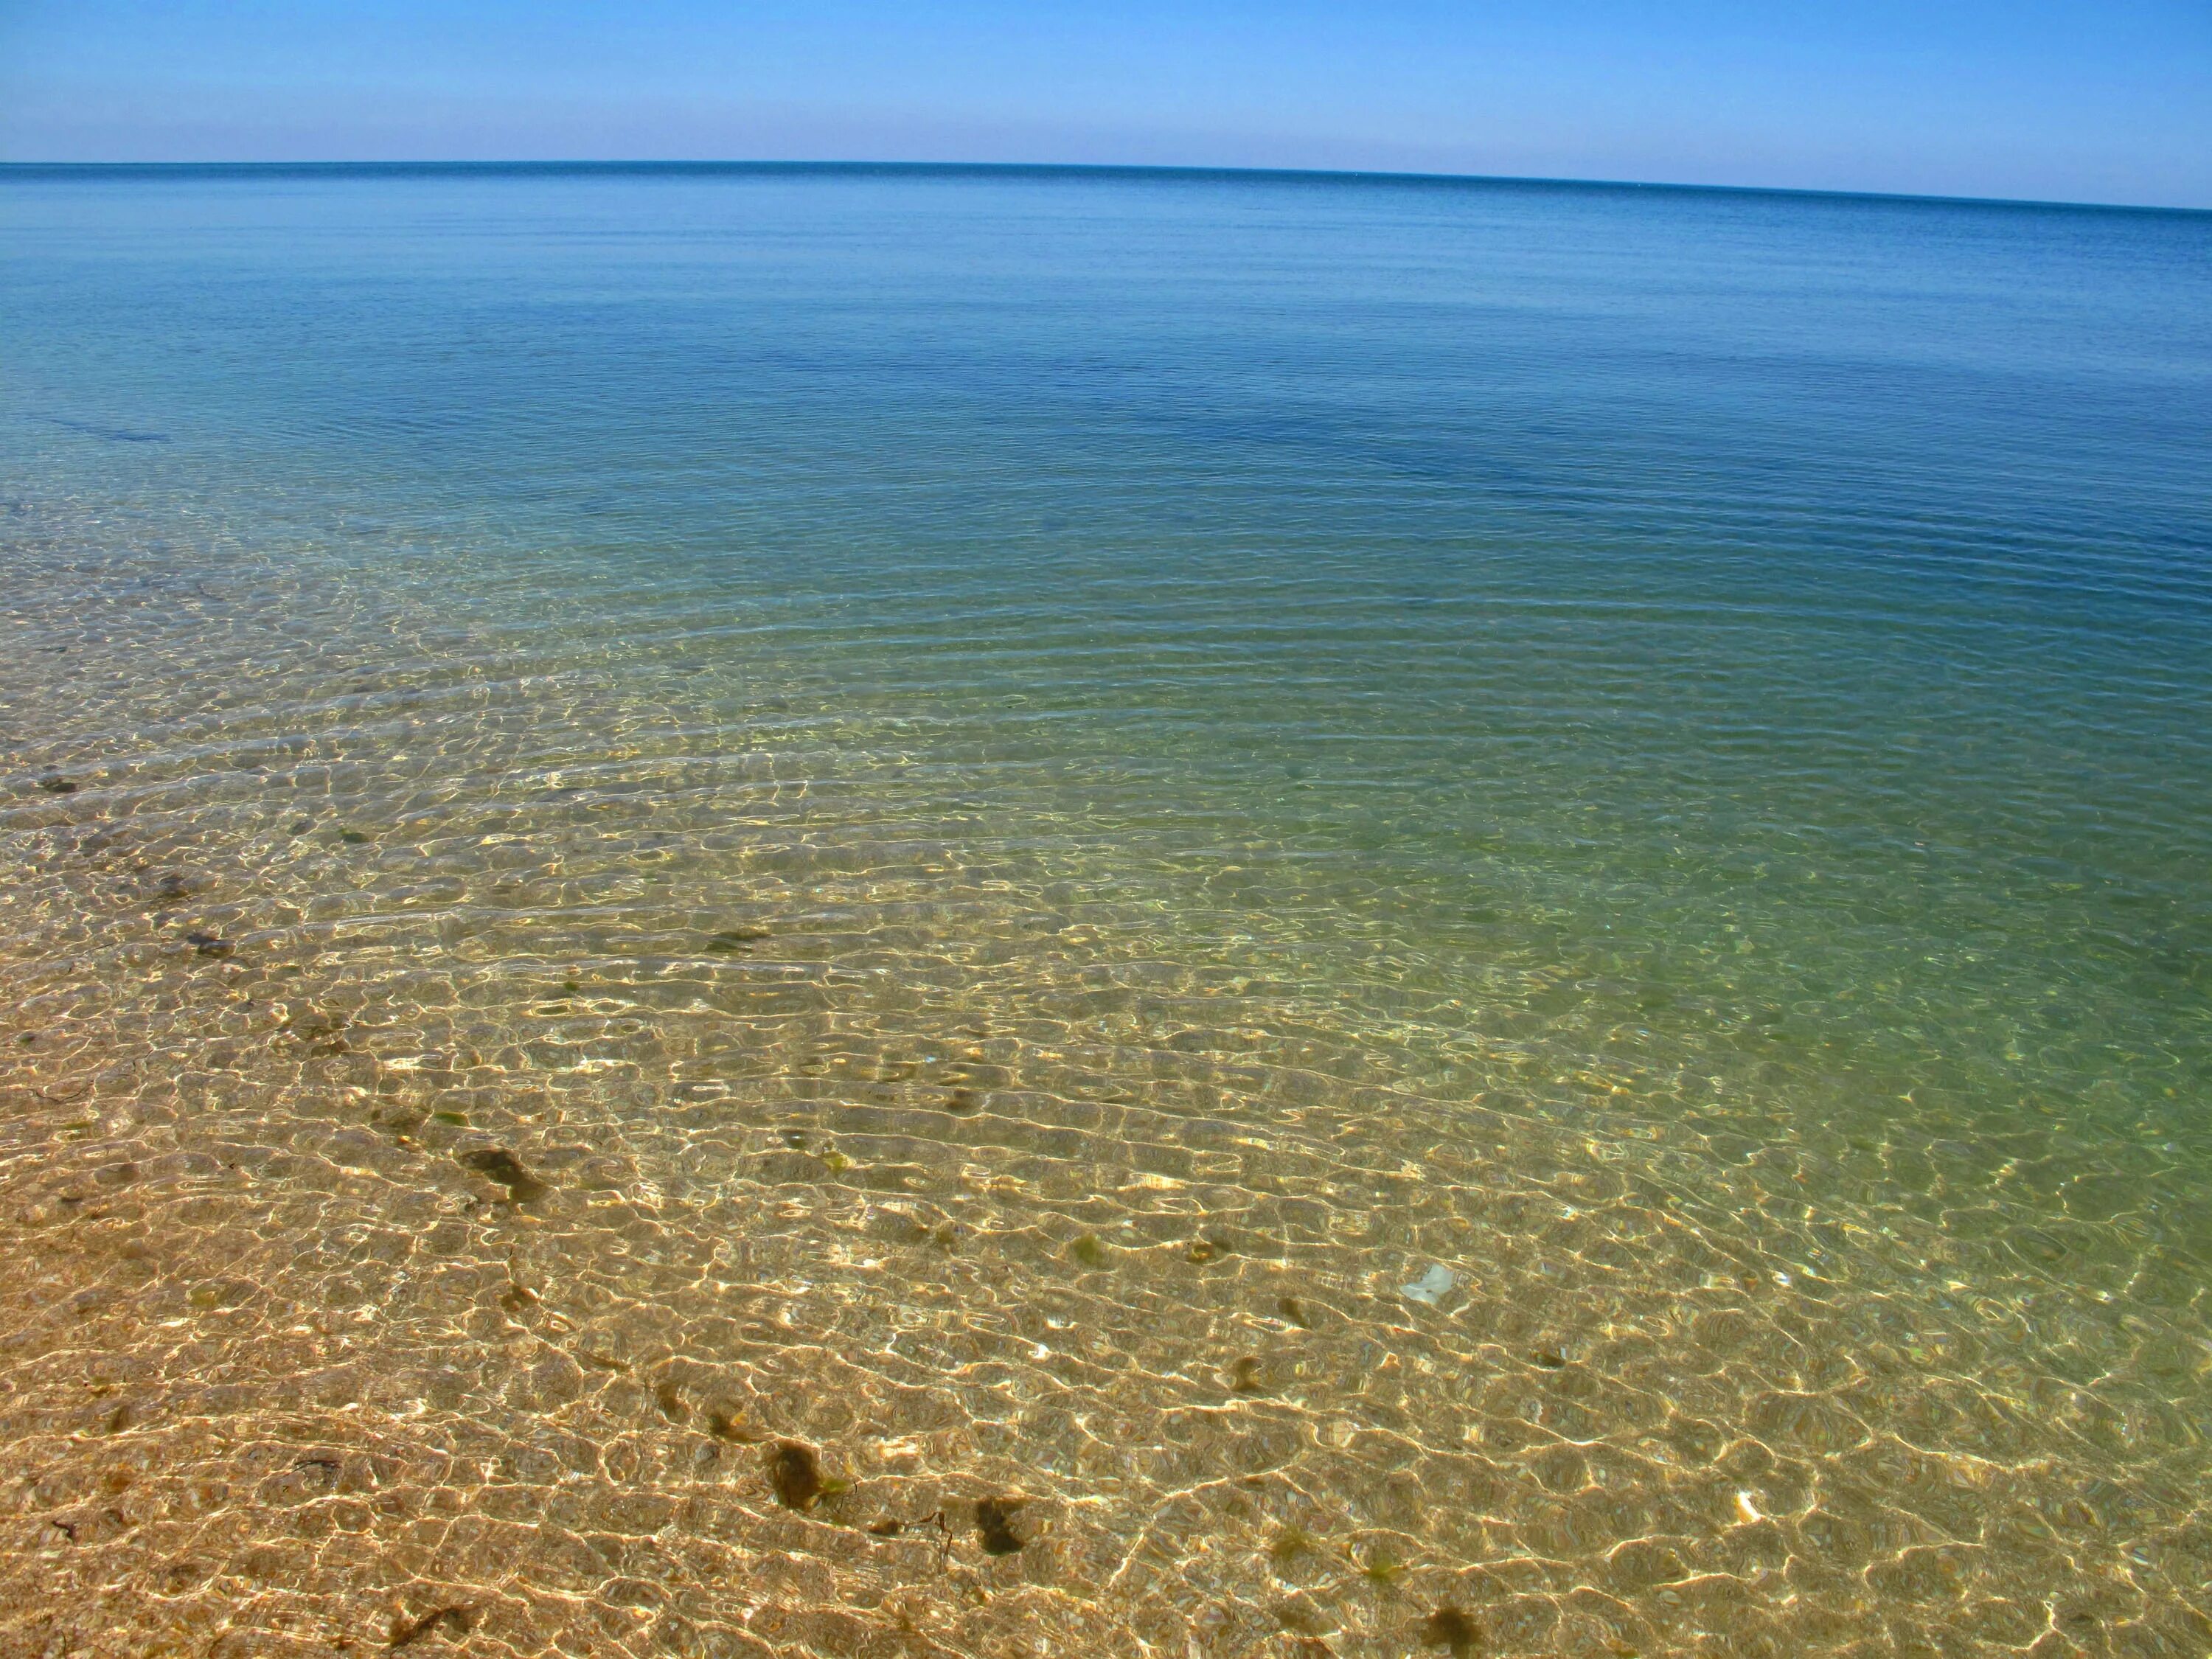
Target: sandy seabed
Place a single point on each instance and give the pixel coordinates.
(482, 1172)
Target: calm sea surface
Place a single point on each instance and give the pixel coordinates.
(962, 912)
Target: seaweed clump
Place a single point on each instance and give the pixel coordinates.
(727, 1422)
(1382, 1568)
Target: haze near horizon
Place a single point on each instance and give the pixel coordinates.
(2057, 101)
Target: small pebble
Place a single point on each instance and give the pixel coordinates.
(1432, 1286)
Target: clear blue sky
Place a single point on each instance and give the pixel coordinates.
(2053, 99)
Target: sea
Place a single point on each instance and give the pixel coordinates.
(881, 910)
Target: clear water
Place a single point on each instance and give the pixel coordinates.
(1398, 901)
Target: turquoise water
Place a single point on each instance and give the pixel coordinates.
(1401, 896)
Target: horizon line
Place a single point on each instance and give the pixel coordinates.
(1188, 170)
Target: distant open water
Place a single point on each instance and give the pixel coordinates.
(967, 911)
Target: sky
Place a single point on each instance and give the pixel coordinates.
(2048, 100)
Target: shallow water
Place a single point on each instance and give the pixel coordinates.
(1396, 897)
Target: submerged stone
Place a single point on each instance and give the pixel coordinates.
(994, 1524)
(794, 1469)
(1450, 1629)
(406, 1632)
(499, 1164)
